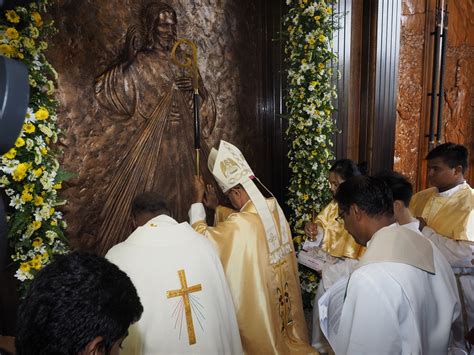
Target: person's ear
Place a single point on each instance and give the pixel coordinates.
(458, 170)
(398, 205)
(356, 211)
(94, 347)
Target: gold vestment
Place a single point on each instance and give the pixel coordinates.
(337, 241)
(447, 215)
(267, 298)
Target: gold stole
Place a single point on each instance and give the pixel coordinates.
(337, 241)
(448, 216)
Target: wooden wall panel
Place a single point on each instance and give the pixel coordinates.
(416, 60)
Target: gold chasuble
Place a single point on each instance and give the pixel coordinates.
(337, 241)
(266, 296)
(447, 215)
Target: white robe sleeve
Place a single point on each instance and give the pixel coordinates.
(458, 253)
(196, 213)
(369, 323)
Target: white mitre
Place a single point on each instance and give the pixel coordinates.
(230, 168)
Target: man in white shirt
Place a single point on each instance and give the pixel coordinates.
(446, 214)
(188, 308)
(402, 297)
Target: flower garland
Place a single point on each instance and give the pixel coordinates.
(309, 27)
(29, 172)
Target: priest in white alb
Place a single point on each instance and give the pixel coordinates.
(255, 246)
(187, 305)
(402, 297)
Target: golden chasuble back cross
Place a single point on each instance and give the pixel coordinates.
(184, 292)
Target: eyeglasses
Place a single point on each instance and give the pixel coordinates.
(340, 218)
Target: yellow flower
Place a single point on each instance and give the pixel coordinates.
(10, 154)
(38, 172)
(305, 197)
(20, 55)
(12, 33)
(36, 225)
(26, 196)
(329, 10)
(45, 255)
(54, 223)
(25, 267)
(20, 172)
(317, 18)
(57, 186)
(41, 114)
(38, 200)
(37, 18)
(321, 66)
(28, 187)
(36, 263)
(44, 151)
(51, 211)
(20, 142)
(322, 38)
(6, 50)
(37, 243)
(12, 16)
(29, 127)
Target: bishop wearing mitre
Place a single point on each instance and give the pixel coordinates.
(254, 244)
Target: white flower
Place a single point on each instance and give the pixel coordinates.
(51, 235)
(46, 130)
(30, 116)
(22, 276)
(4, 181)
(29, 143)
(16, 201)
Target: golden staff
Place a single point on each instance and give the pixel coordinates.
(190, 63)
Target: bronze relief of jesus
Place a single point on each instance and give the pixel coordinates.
(143, 84)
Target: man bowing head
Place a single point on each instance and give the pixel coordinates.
(254, 243)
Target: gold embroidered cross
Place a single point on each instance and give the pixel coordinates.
(184, 292)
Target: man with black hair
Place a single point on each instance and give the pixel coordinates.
(402, 192)
(446, 214)
(181, 283)
(402, 296)
(78, 304)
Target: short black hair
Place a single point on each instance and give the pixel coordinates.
(402, 189)
(345, 168)
(73, 300)
(149, 202)
(452, 154)
(371, 194)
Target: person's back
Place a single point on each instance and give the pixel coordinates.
(160, 257)
(254, 245)
(402, 297)
(416, 321)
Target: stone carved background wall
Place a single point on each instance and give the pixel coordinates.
(414, 84)
(90, 35)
